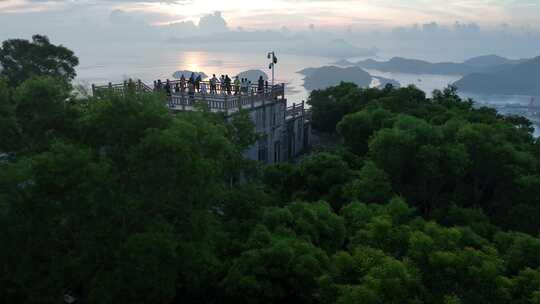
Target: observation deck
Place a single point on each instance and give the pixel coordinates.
(221, 98)
(218, 98)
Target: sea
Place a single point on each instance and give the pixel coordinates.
(148, 63)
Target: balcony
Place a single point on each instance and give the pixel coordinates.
(227, 99)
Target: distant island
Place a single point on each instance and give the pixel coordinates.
(519, 79)
(481, 64)
(326, 76)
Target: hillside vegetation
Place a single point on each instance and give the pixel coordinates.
(118, 200)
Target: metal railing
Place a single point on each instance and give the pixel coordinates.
(225, 101)
(182, 96)
(121, 88)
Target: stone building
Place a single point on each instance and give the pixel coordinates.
(284, 131)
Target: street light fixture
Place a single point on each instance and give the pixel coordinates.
(273, 61)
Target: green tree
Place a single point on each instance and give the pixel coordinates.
(315, 222)
(356, 129)
(371, 186)
(323, 176)
(43, 112)
(22, 59)
(280, 269)
(144, 272)
(10, 135)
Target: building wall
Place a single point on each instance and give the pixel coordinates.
(279, 139)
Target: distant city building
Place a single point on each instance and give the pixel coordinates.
(284, 131)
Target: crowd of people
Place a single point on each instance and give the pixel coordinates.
(223, 85)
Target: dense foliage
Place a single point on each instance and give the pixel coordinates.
(21, 59)
(117, 200)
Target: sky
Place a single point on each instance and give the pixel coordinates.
(386, 24)
(293, 14)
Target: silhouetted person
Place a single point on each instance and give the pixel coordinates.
(204, 89)
(222, 84)
(198, 83)
(191, 92)
(260, 85)
(236, 85)
(228, 84)
(168, 88)
(243, 85)
(213, 84)
(177, 87)
(192, 79)
(183, 83)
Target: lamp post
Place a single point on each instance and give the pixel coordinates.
(273, 61)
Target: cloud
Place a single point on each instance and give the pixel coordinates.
(213, 23)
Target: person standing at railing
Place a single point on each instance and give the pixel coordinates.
(228, 84)
(266, 85)
(236, 85)
(198, 83)
(241, 86)
(191, 80)
(222, 84)
(159, 85)
(204, 90)
(213, 84)
(131, 85)
(183, 84)
(260, 85)
(245, 87)
(177, 87)
(168, 88)
(191, 92)
(249, 88)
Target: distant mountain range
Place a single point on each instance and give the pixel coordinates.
(326, 76)
(514, 79)
(481, 64)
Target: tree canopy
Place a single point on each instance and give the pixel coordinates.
(21, 59)
(115, 199)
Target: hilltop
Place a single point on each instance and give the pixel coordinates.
(479, 64)
(520, 79)
(326, 76)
